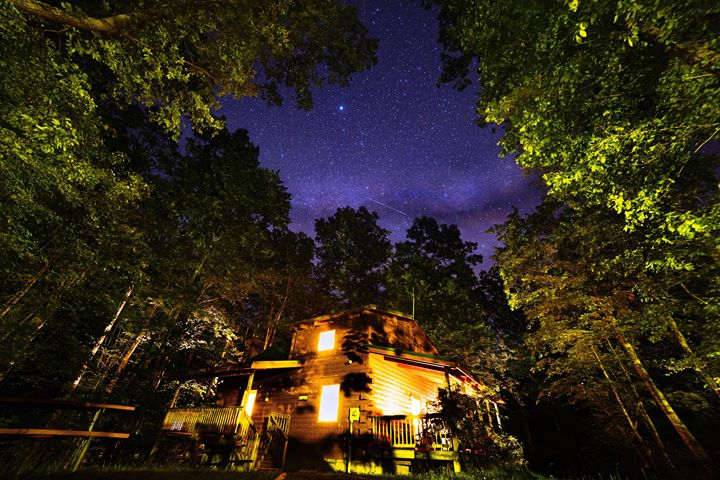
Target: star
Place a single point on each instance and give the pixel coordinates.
(404, 141)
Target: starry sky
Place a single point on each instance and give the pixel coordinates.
(392, 141)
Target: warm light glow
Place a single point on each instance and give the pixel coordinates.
(414, 406)
(329, 403)
(326, 341)
(250, 402)
(393, 383)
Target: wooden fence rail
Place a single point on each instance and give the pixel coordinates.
(421, 433)
(221, 420)
(277, 432)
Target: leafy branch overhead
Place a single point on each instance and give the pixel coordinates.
(179, 58)
(614, 103)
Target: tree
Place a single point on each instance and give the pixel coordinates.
(352, 252)
(572, 276)
(67, 199)
(611, 102)
(176, 59)
(123, 258)
(432, 276)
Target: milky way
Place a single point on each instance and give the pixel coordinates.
(392, 141)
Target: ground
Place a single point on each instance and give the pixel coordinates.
(491, 474)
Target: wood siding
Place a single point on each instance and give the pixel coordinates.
(368, 381)
(394, 384)
(363, 327)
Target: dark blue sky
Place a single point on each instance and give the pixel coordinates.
(392, 141)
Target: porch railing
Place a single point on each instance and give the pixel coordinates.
(221, 420)
(428, 432)
(277, 430)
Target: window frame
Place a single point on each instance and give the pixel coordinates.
(322, 345)
(329, 393)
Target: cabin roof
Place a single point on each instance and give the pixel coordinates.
(239, 370)
(402, 356)
(372, 309)
(425, 360)
(425, 356)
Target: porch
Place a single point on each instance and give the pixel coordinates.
(215, 420)
(231, 440)
(408, 438)
(226, 437)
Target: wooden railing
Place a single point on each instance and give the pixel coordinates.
(428, 432)
(208, 420)
(277, 432)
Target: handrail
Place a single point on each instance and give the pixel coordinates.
(48, 432)
(50, 403)
(428, 432)
(208, 420)
(278, 429)
(219, 421)
(277, 432)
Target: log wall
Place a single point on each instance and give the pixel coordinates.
(367, 381)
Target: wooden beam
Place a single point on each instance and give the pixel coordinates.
(224, 371)
(61, 404)
(415, 356)
(412, 454)
(47, 432)
(272, 364)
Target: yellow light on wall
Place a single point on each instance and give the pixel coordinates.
(250, 402)
(329, 403)
(326, 341)
(414, 406)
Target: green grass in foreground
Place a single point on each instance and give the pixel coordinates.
(185, 474)
(155, 474)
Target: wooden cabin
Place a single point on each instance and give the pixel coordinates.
(356, 394)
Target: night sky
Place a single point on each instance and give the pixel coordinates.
(392, 141)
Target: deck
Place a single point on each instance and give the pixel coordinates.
(413, 438)
(397, 437)
(218, 420)
(251, 447)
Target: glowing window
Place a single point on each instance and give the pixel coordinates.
(329, 403)
(326, 341)
(414, 406)
(250, 402)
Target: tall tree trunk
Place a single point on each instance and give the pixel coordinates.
(18, 326)
(643, 449)
(685, 435)
(276, 316)
(124, 362)
(15, 299)
(643, 411)
(12, 363)
(100, 341)
(214, 380)
(709, 380)
(269, 329)
(48, 310)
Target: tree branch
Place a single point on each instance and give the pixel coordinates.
(107, 25)
(696, 53)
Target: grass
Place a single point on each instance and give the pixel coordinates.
(154, 474)
(203, 474)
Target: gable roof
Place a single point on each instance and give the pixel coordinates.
(371, 309)
(426, 360)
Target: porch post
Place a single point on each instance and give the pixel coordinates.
(243, 402)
